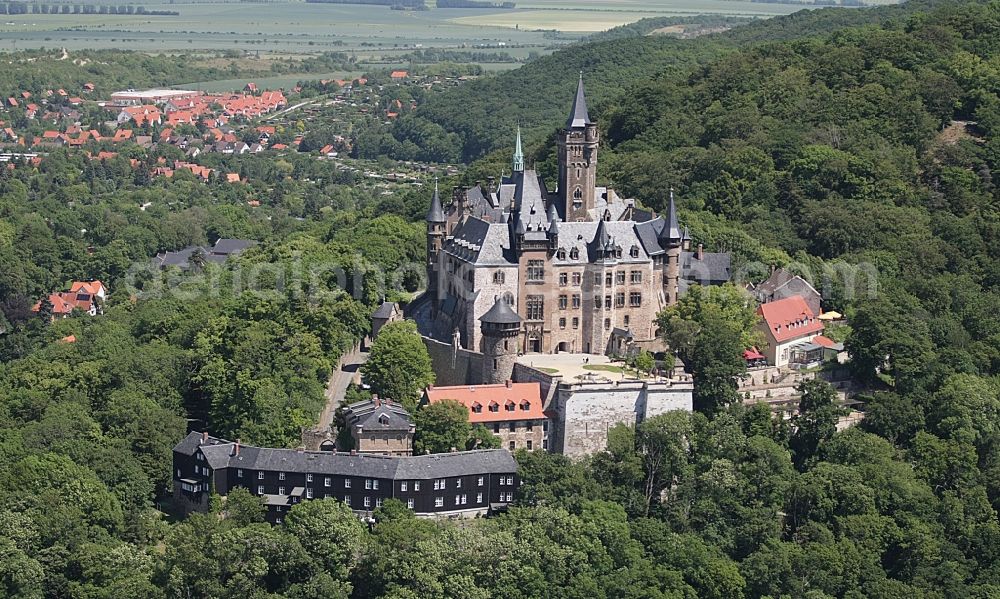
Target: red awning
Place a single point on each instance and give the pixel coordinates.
(752, 354)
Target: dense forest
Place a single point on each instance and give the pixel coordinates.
(833, 140)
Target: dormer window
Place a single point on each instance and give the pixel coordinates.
(634, 251)
(477, 408)
(383, 419)
(525, 406)
(509, 406)
(494, 407)
(561, 254)
(574, 254)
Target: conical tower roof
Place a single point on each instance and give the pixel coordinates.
(500, 313)
(436, 213)
(578, 115)
(602, 238)
(671, 231)
(518, 153)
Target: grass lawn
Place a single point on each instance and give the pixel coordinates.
(604, 368)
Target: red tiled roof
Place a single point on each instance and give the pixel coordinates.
(524, 398)
(789, 318)
(91, 287)
(399, 75)
(824, 341)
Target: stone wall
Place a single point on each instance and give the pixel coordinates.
(585, 413)
(454, 366)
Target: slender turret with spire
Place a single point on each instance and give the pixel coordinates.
(578, 115)
(435, 239)
(518, 153)
(578, 144)
(671, 240)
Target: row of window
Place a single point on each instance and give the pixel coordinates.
(574, 253)
(528, 426)
(509, 406)
(536, 273)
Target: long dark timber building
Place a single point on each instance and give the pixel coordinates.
(465, 483)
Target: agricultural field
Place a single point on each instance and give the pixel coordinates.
(367, 31)
(292, 27)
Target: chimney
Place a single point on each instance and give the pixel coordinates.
(700, 253)
(236, 448)
(204, 437)
(510, 383)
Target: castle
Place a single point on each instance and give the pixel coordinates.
(514, 268)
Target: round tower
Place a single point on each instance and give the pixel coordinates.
(671, 240)
(435, 242)
(500, 327)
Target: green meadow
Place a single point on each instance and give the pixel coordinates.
(368, 31)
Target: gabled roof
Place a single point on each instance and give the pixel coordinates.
(377, 414)
(578, 115)
(219, 454)
(778, 279)
(789, 318)
(525, 397)
(384, 311)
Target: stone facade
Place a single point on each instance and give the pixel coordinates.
(583, 267)
(585, 413)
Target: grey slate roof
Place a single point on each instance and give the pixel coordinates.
(578, 115)
(382, 416)
(671, 232)
(436, 213)
(384, 311)
(217, 254)
(500, 313)
(462, 463)
(225, 247)
(714, 267)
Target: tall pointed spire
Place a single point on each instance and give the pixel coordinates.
(436, 213)
(671, 231)
(518, 153)
(578, 116)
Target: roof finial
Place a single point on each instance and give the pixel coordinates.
(518, 153)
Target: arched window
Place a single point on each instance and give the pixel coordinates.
(574, 254)
(498, 277)
(561, 254)
(508, 297)
(578, 194)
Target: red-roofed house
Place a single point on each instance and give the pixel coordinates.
(122, 135)
(94, 288)
(12, 101)
(250, 88)
(83, 295)
(140, 114)
(88, 87)
(512, 411)
(787, 323)
(399, 75)
(232, 177)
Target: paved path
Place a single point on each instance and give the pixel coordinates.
(339, 381)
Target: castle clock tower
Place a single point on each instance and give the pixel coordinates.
(578, 160)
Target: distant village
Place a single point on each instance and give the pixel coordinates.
(196, 122)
